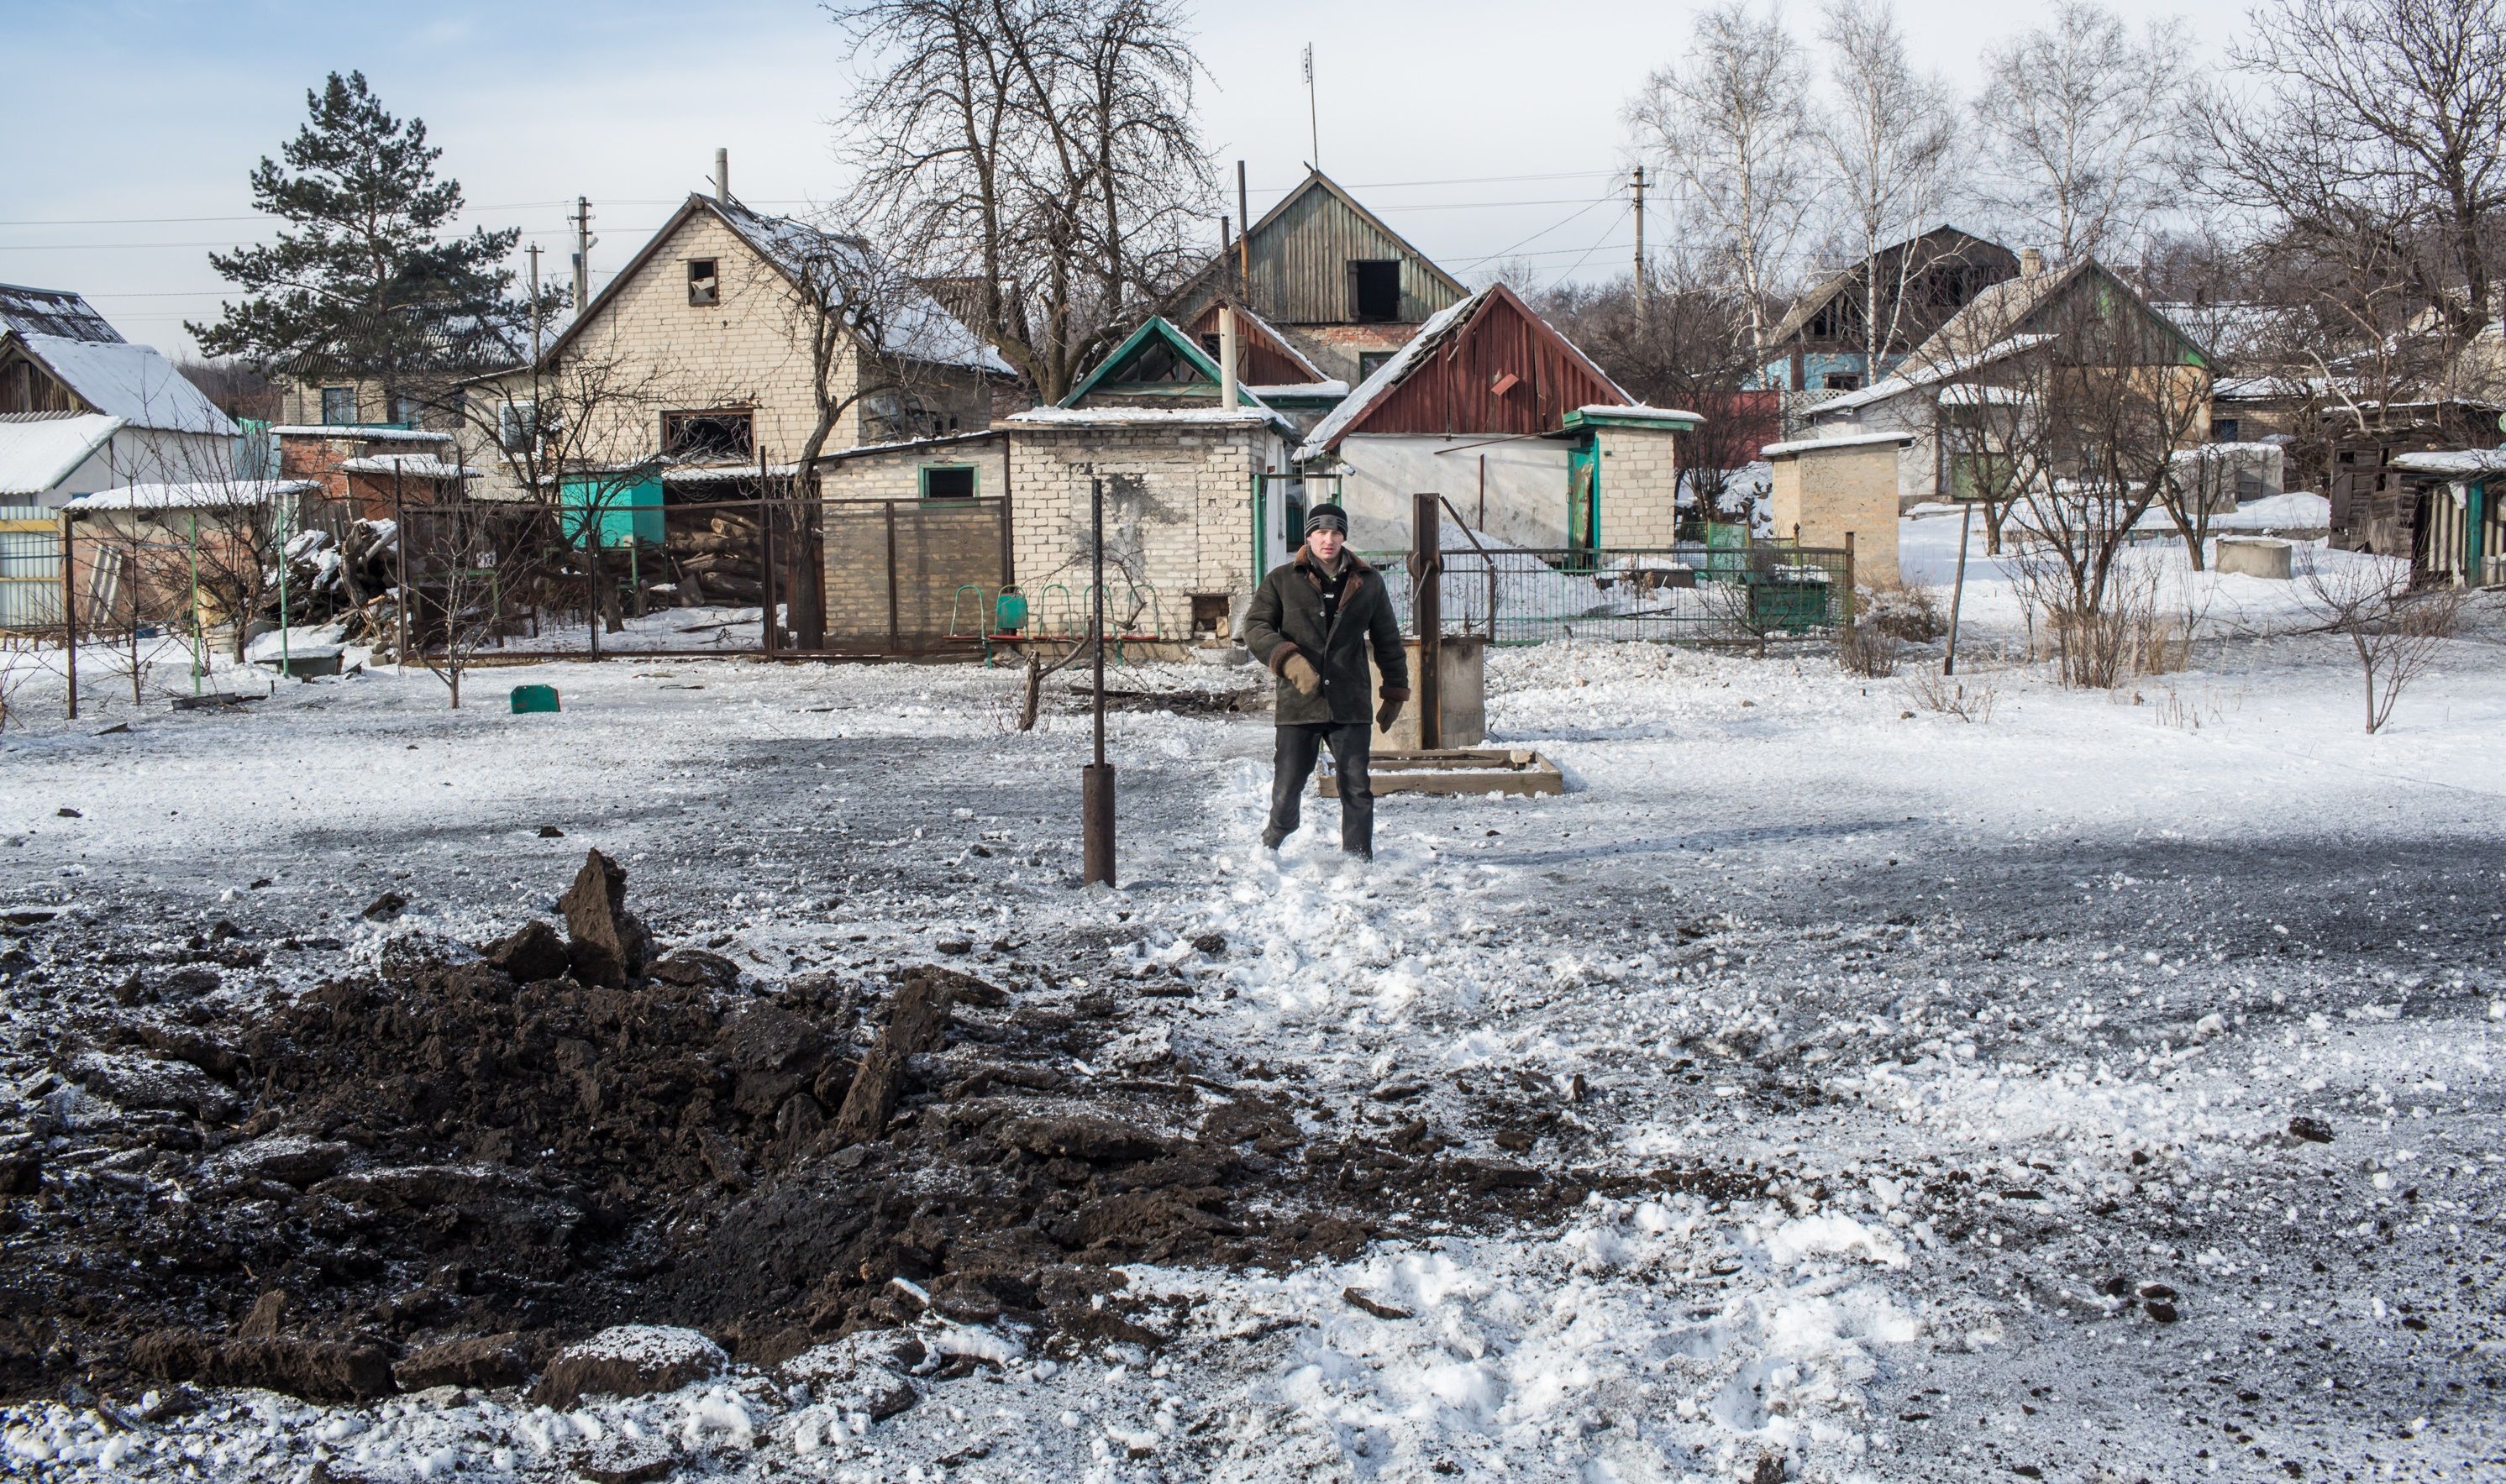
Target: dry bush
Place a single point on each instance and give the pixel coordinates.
(1911, 614)
(1869, 650)
(2396, 633)
(1968, 702)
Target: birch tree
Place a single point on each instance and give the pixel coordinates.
(1888, 142)
(2079, 117)
(1727, 123)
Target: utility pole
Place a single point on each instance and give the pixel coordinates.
(1243, 234)
(533, 252)
(1097, 780)
(581, 253)
(1313, 119)
(1642, 311)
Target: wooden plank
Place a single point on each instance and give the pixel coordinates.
(1461, 771)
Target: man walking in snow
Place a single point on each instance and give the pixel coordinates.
(1312, 622)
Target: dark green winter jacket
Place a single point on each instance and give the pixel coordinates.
(1287, 618)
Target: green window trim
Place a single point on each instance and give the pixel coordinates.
(974, 482)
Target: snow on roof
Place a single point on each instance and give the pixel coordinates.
(194, 495)
(2453, 461)
(1141, 417)
(359, 433)
(1388, 374)
(1641, 412)
(1917, 374)
(1843, 441)
(416, 466)
(131, 383)
(37, 453)
(1295, 389)
(918, 327)
(725, 474)
(53, 311)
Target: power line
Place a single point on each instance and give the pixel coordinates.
(1589, 207)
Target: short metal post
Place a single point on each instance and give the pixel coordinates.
(69, 610)
(1849, 589)
(1427, 609)
(1957, 589)
(1097, 780)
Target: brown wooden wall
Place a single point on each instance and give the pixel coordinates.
(1259, 362)
(1301, 266)
(1453, 391)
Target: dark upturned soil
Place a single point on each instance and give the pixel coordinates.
(443, 1152)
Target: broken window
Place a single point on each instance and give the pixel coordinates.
(517, 425)
(1369, 362)
(703, 287)
(947, 482)
(1841, 381)
(900, 417)
(722, 432)
(1375, 288)
(339, 406)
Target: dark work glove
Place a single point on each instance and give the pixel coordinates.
(1387, 714)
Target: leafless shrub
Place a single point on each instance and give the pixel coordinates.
(1966, 701)
(1911, 614)
(2397, 633)
(1869, 650)
(20, 662)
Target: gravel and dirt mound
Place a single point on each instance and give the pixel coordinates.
(464, 1154)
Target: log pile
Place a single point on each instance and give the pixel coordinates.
(715, 556)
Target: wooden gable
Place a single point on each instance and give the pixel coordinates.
(1500, 368)
(1263, 357)
(1311, 261)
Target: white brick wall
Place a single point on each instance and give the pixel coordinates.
(1178, 516)
(1639, 476)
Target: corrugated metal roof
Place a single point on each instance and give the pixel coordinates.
(38, 453)
(131, 383)
(53, 311)
(190, 495)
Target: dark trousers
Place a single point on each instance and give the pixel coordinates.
(1294, 762)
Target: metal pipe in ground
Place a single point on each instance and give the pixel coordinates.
(1427, 607)
(1097, 780)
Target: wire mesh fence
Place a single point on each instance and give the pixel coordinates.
(1682, 593)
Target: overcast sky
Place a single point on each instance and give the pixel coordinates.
(1479, 129)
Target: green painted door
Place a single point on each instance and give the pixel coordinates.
(1583, 496)
(625, 513)
(2475, 534)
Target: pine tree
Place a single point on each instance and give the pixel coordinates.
(364, 283)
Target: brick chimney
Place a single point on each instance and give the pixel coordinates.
(2031, 262)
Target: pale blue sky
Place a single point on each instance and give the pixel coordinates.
(1473, 125)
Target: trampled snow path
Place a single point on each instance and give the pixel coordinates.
(1988, 1016)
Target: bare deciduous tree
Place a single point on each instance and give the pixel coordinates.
(1889, 149)
(2086, 429)
(2395, 632)
(2369, 147)
(1044, 150)
(2080, 117)
(1729, 125)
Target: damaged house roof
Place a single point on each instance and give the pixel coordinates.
(817, 261)
(120, 379)
(53, 311)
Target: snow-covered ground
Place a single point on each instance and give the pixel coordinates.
(1933, 1079)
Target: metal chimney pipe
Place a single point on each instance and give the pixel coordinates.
(722, 177)
(1226, 358)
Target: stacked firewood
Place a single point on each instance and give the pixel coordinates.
(715, 556)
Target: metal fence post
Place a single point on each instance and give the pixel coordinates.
(69, 610)
(1426, 605)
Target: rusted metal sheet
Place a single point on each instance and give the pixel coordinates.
(1453, 389)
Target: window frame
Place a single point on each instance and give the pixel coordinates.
(675, 418)
(327, 393)
(1380, 360)
(923, 481)
(1357, 292)
(711, 278)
